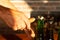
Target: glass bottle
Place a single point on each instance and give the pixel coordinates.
(39, 28)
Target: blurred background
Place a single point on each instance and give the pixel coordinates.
(49, 9)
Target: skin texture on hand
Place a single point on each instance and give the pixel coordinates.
(14, 19)
(21, 21)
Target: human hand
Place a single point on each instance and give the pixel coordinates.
(20, 21)
(15, 19)
(32, 31)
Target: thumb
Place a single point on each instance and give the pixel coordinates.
(32, 20)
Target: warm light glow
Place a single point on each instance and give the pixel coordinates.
(42, 18)
(39, 17)
(45, 1)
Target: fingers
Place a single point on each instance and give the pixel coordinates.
(19, 24)
(22, 25)
(32, 20)
(27, 22)
(21, 21)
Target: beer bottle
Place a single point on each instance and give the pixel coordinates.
(39, 28)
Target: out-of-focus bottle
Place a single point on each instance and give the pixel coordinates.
(55, 31)
(49, 31)
(39, 28)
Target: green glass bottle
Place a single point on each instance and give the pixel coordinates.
(39, 28)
